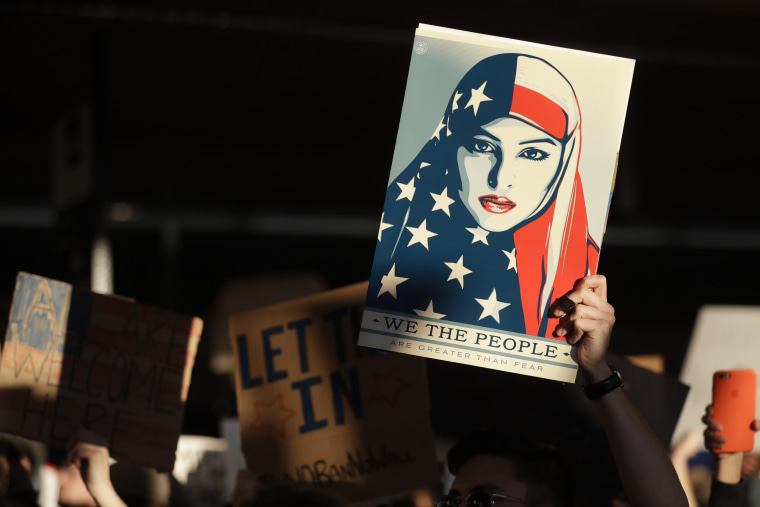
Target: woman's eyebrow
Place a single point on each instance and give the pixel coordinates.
(544, 140)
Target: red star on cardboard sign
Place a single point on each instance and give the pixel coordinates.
(271, 416)
(388, 387)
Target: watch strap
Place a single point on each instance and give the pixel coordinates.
(599, 389)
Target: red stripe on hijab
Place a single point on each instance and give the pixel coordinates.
(539, 110)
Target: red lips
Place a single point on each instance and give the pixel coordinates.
(496, 204)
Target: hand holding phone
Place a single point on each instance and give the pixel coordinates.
(734, 394)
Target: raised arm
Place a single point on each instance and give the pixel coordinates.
(727, 487)
(88, 452)
(643, 463)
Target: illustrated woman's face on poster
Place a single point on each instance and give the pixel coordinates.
(507, 171)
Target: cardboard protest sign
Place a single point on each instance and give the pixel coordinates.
(202, 469)
(73, 358)
(724, 338)
(315, 408)
(493, 211)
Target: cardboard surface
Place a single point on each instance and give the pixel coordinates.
(73, 358)
(316, 408)
(493, 210)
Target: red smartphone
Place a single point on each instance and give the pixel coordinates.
(734, 408)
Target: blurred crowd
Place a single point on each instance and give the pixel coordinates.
(482, 468)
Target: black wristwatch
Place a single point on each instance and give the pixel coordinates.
(596, 391)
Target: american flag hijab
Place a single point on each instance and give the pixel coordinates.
(433, 258)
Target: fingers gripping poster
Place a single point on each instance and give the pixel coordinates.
(497, 199)
(72, 358)
(315, 408)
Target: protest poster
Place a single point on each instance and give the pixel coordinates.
(492, 209)
(73, 358)
(724, 338)
(315, 408)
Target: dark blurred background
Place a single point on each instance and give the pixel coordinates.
(211, 141)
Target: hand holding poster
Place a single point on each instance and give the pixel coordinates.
(317, 409)
(493, 211)
(73, 358)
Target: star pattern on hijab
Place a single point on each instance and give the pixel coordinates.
(383, 226)
(491, 306)
(429, 312)
(478, 96)
(390, 282)
(407, 190)
(437, 133)
(478, 234)
(458, 271)
(442, 201)
(421, 235)
(455, 102)
(512, 259)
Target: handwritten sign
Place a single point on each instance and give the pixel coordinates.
(317, 409)
(73, 358)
